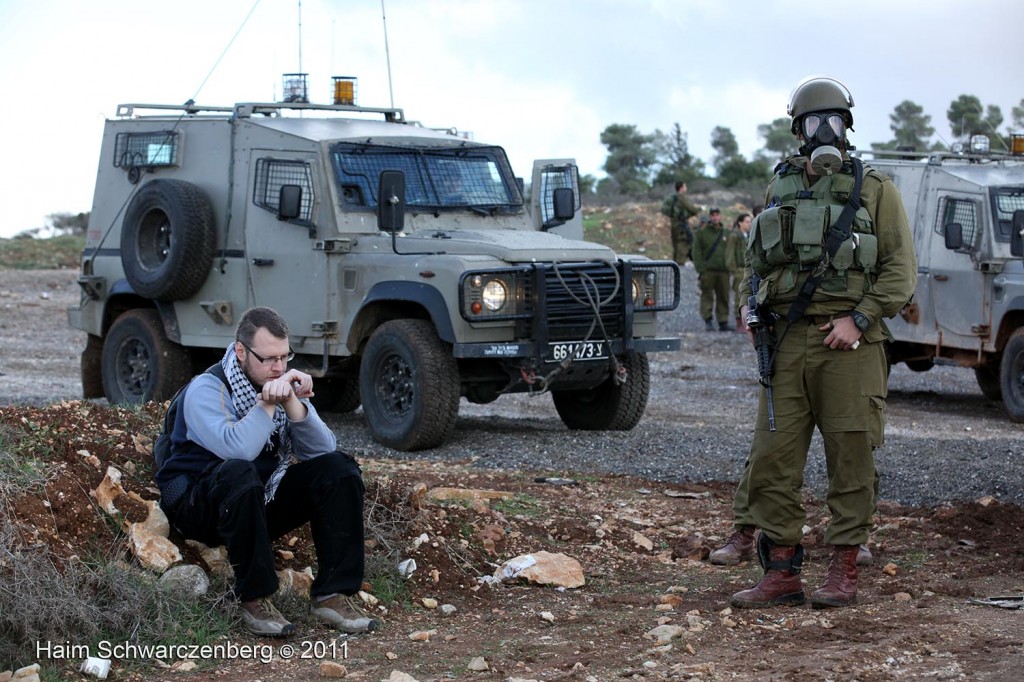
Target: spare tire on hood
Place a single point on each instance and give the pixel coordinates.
(168, 240)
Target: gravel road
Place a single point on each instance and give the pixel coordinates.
(944, 440)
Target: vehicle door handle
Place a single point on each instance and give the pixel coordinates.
(260, 262)
(938, 278)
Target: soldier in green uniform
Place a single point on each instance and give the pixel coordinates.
(735, 260)
(711, 246)
(679, 210)
(829, 367)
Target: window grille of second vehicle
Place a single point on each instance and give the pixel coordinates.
(1006, 200)
(271, 174)
(557, 177)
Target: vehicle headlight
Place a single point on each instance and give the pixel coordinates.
(498, 295)
(494, 295)
(644, 289)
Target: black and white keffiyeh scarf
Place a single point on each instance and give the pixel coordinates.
(244, 398)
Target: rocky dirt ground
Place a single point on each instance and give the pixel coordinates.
(644, 508)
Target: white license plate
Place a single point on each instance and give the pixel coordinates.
(578, 350)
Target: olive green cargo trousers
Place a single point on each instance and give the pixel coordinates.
(842, 393)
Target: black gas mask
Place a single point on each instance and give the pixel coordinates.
(823, 132)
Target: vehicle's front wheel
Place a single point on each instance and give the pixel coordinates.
(1012, 376)
(409, 384)
(989, 381)
(608, 406)
(139, 362)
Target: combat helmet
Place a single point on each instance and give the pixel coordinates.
(819, 93)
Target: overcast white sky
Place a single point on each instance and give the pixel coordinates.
(543, 78)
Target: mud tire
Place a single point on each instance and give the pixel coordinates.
(139, 362)
(409, 384)
(608, 407)
(1011, 374)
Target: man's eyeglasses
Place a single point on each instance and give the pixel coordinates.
(283, 359)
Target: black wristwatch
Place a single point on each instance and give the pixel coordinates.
(861, 320)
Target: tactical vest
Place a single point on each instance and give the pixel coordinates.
(786, 241)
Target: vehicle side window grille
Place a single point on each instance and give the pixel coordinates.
(271, 174)
(963, 211)
(146, 150)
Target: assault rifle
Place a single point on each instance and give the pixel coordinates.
(760, 324)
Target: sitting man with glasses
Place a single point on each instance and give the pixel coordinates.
(250, 461)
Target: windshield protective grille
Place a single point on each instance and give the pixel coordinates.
(435, 178)
(1006, 200)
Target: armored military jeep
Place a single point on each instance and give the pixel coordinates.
(967, 214)
(404, 260)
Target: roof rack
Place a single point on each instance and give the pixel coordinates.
(249, 109)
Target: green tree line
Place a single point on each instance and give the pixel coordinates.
(639, 163)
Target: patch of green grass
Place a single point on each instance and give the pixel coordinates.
(915, 559)
(520, 505)
(86, 602)
(40, 254)
(19, 471)
(388, 586)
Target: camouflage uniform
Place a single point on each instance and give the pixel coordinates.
(711, 245)
(679, 210)
(842, 393)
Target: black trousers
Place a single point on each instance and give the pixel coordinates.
(225, 507)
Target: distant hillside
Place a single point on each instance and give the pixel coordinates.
(26, 253)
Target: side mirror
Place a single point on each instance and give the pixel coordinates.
(289, 202)
(391, 201)
(565, 203)
(954, 235)
(563, 207)
(1017, 234)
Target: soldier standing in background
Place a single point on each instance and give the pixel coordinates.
(679, 210)
(710, 251)
(734, 261)
(841, 226)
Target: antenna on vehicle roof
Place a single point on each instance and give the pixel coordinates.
(387, 52)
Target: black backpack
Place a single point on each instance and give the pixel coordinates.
(162, 444)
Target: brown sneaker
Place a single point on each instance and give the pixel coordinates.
(864, 557)
(344, 613)
(261, 617)
(739, 547)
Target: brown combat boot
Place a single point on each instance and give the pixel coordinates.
(781, 584)
(840, 588)
(739, 547)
